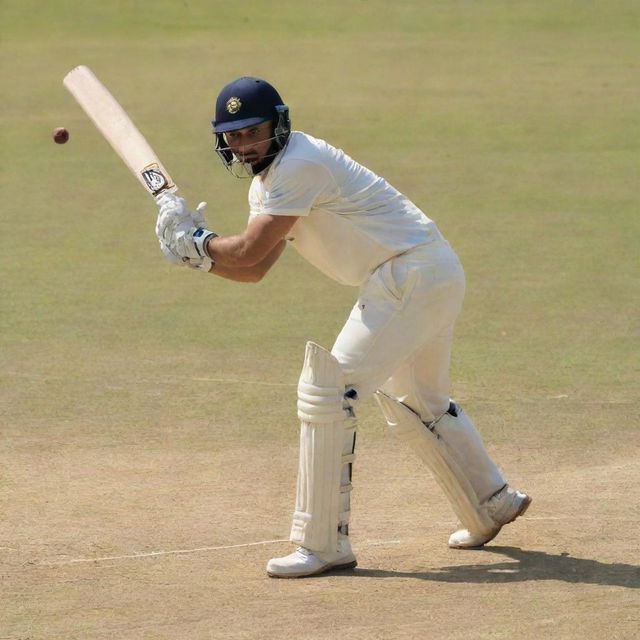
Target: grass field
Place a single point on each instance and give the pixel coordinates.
(148, 437)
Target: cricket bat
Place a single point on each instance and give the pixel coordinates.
(117, 127)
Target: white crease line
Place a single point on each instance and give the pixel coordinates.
(161, 553)
(371, 543)
(151, 554)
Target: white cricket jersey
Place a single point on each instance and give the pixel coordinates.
(351, 220)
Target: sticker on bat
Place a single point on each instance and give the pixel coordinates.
(155, 179)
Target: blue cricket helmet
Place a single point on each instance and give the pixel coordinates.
(245, 102)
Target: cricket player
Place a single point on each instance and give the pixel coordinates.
(357, 229)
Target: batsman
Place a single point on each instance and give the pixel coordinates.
(396, 343)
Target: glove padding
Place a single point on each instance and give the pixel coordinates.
(173, 210)
(189, 242)
(182, 233)
(203, 264)
(174, 258)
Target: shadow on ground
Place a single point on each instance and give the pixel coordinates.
(521, 566)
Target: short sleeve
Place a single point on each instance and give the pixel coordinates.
(296, 187)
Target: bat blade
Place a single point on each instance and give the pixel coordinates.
(118, 129)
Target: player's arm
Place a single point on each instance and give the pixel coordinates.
(185, 239)
(255, 272)
(254, 245)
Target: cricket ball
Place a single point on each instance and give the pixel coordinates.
(60, 135)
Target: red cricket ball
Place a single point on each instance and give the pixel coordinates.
(60, 135)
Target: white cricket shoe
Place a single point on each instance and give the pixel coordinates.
(503, 507)
(304, 562)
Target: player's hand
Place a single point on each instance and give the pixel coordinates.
(182, 233)
(203, 264)
(172, 257)
(189, 242)
(198, 215)
(173, 211)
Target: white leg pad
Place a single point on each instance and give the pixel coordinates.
(463, 440)
(327, 438)
(447, 462)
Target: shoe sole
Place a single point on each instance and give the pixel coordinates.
(329, 567)
(523, 507)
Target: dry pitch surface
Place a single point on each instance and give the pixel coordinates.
(148, 540)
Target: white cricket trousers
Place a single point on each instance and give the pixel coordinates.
(399, 335)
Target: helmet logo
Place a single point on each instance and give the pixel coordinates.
(233, 105)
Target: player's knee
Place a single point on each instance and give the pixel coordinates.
(321, 387)
(322, 394)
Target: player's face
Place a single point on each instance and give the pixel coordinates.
(251, 144)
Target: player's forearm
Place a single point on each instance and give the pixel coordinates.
(253, 245)
(255, 272)
(238, 274)
(237, 251)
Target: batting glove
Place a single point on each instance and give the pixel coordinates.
(172, 211)
(182, 233)
(172, 257)
(189, 242)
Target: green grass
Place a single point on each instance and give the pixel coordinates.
(514, 125)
